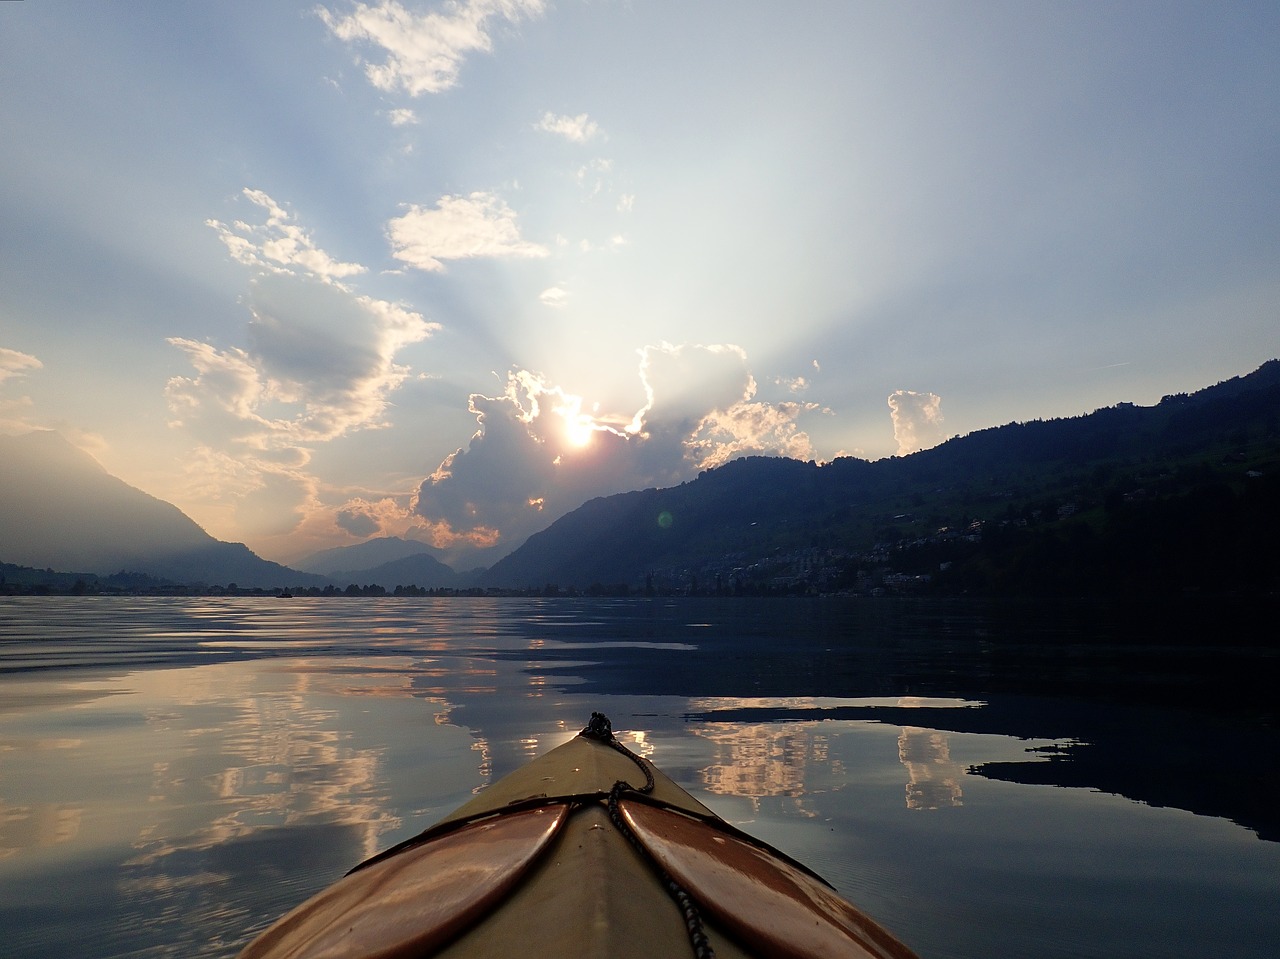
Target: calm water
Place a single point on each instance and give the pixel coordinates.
(1016, 781)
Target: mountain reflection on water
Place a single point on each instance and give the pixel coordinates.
(176, 773)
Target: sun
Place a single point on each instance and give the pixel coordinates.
(578, 430)
(579, 427)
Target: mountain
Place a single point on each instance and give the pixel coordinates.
(1183, 492)
(420, 569)
(363, 556)
(60, 509)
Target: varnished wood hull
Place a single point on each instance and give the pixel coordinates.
(536, 866)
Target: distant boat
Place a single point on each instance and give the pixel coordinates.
(567, 858)
(285, 594)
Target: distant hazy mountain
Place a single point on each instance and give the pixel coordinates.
(420, 569)
(750, 509)
(60, 509)
(363, 556)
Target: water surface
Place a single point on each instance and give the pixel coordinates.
(176, 773)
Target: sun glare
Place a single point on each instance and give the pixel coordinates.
(579, 427)
(578, 430)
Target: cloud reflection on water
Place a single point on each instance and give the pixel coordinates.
(933, 776)
(47, 824)
(274, 757)
(779, 758)
(762, 760)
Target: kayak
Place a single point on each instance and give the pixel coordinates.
(587, 851)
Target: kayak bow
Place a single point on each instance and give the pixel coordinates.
(567, 857)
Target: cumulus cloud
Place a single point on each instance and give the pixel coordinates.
(360, 523)
(917, 420)
(577, 129)
(479, 225)
(402, 117)
(754, 428)
(540, 451)
(424, 53)
(318, 362)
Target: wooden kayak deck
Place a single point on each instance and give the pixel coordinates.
(539, 865)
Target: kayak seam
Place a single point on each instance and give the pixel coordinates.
(601, 730)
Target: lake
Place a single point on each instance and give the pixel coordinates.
(984, 779)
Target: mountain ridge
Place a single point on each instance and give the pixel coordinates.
(758, 523)
(62, 509)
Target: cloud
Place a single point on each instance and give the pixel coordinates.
(222, 400)
(796, 384)
(14, 364)
(593, 178)
(268, 495)
(279, 245)
(553, 296)
(402, 117)
(540, 451)
(754, 428)
(577, 129)
(423, 53)
(917, 420)
(318, 362)
(458, 228)
(360, 523)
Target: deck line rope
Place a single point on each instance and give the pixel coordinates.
(601, 730)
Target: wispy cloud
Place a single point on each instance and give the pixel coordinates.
(279, 245)
(577, 129)
(797, 384)
(917, 420)
(458, 227)
(14, 364)
(423, 53)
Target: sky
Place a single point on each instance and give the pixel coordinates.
(319, 272)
